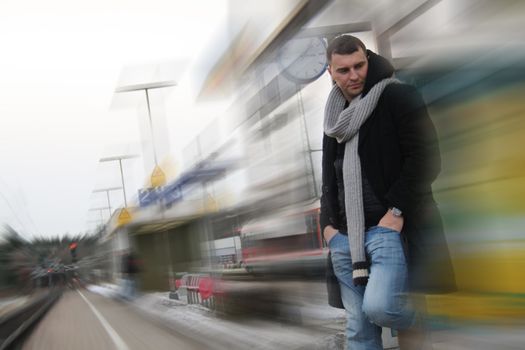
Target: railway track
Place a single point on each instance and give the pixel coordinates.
(15, 325)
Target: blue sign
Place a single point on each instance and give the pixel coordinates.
(172, 192)
(148, 196)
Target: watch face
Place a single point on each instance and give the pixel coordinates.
(303, 60)
(397, 212)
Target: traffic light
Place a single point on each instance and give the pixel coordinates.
(73, 251)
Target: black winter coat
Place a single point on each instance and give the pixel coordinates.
(399, 153)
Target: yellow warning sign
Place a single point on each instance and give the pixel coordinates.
(158, 178)
(124, 217)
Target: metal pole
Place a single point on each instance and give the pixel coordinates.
(109, 203)
(107, 190)
(123, 186)
(309, 148)
(119, 158)
(170, 266)
(151, 128)
(146, 88)
(234, 246)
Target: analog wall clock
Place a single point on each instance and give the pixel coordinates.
(303, 60)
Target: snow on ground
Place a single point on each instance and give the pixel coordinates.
(324, 328)
(241, 333)
(107, 290)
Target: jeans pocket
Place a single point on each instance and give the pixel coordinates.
(331, 241)
(384, 229)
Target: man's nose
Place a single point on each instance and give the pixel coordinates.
(352, 75)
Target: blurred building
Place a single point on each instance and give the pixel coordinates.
(260, 158)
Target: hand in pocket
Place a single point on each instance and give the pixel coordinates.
(329, 233)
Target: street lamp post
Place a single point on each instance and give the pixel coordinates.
(100, 227)
(119, 158)
(101, 209)
(146, 88)
(107, 190)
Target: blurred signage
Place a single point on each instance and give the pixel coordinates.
(124, 217)
(148, 196)
(172, 192)
(158, 178)
(168, 194)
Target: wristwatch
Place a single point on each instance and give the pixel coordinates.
(396, 212)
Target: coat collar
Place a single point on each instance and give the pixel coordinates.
(378, 69)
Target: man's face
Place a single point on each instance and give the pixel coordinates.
(349, 72)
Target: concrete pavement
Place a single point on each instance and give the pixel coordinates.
(84, 320)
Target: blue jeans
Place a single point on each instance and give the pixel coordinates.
(129, 288)
(383, 302)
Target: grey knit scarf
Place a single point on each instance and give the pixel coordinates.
(343, 125)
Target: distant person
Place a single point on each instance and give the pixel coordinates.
(130, 269)
(378, 214)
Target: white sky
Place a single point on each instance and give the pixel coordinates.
(60, 62)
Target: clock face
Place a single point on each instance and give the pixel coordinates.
(303, 60)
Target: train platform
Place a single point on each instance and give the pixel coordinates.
(82, 320)
(97, 317)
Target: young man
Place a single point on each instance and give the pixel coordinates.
(378, 215)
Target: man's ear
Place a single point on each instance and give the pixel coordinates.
(329, 69)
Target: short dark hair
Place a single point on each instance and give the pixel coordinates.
(344, 45)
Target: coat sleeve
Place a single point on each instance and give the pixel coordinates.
(323, 219)
(419, 147)
(329, 184)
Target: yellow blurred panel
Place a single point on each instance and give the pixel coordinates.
(477, 307)
(498, 268)
(500, 197)
(483, 146)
